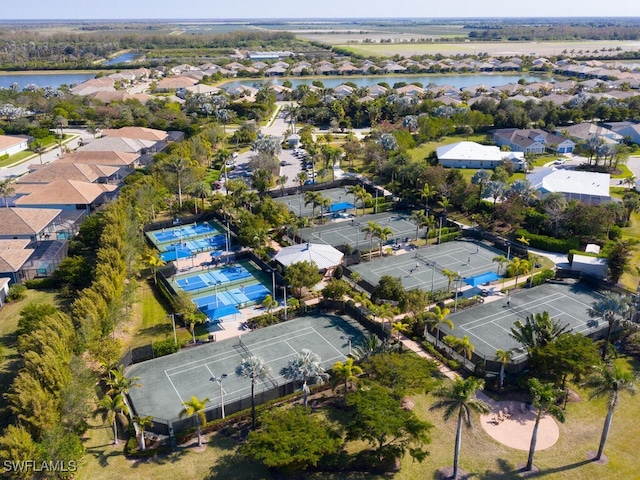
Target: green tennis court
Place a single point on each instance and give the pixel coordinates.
(343, 231)
(488, 326)
(170, 380)
(423, 268)
(295, 203)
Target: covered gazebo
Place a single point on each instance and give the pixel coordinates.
(324, 256)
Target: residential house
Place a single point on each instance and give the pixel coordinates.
(126, 162)
(120, 96)
(342, 91)
(173, 84)
(474, 155)
(628, 130)
(410, 91)
(102, 84)
(585, 130)
(68, 195)
(71, 171)
(534, 141)
(28, 223)
(10, 144)
(12, 262)
(586, 187)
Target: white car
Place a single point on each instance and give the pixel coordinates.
(560, 161)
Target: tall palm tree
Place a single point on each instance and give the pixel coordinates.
(178, 166)
(306, 367)
(281, 181)
(254, 368)
(426, 194)
(195, 408)
(39, 149)
(371, 230)
(609, 382)
(301, 177)
(200, 190)
(613, 308)
(325, 204)
(420, 218)
(451, 275)
(269, 302)
(6, 190)
(347, 372)
(500, 260)
(461, 345)
(519, 266)
(436, 317)
(430, 223)
(119, 383)
(545, 397)
(537, 331)
(383, 234)
(386, 311)
(112, 409)
(459, 398)
(143, 422)
(504, 357)
(313, 198)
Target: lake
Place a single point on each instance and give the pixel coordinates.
(43, 79)
(124, 58)
(459, 81)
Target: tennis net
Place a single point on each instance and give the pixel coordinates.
(430, 263)
(244, 347)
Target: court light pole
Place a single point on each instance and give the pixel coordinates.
(218, 380)
(284, 293)
(216, 292)
(455, 303)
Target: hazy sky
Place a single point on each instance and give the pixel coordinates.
(228, 9)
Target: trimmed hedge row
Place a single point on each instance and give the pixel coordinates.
(549, 244)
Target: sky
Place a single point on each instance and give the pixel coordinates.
(310, 9)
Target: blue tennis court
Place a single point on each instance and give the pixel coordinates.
(340, 207)
(214, 277)
(186, 249)
(181, 233)
(213, 305)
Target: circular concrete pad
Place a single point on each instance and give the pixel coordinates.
(516, 431)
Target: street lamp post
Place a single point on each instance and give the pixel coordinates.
(273, 283)
(218, 380)
(284, 292)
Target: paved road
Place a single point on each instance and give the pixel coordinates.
(49, 156)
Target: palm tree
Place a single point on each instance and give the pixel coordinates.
(545, 396)
(425, 194)
(610, 382)
(6, 190)
(200, 190)
(430, 223)
(253, 368)
(383, 234)
(611, 307)
(178, 166)
(517, 267)
(195, 408)
(420, 218)
(346, 372)
(436, 317)
(444, 203)
(39, 149)
(500, 260)
(119, 384)
(504, 357)
(269, 302)
(537, 331)
(143, 422)
(281, 181)
(386, 311)
(450, 277)
(461, 345)
(313, 198)
(301, 177)
(371, 230)
(307, 368)
(458, 397)
(112, 409)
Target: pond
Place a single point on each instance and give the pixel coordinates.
(43, 79)
(123, 58)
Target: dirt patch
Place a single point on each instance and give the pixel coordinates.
(446, 473)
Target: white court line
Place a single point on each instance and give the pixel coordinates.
(227, 357)
(174, 388)
(289, 345)
(332, 346)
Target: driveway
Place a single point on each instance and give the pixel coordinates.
(51, 155)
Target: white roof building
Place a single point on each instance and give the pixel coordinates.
(474, 155)
(587, 187)
(324, 256)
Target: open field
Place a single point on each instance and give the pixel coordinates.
(471, 48)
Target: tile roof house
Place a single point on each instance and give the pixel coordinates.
(10, 144)
(69, 195)
(141, 133)
(71, 171)
(532, 141)
(175, 83)
(102, 84)
(584, 131)
(12, 261)
(98, 157)
(120, 144)
(120, 96)
(27, 223)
